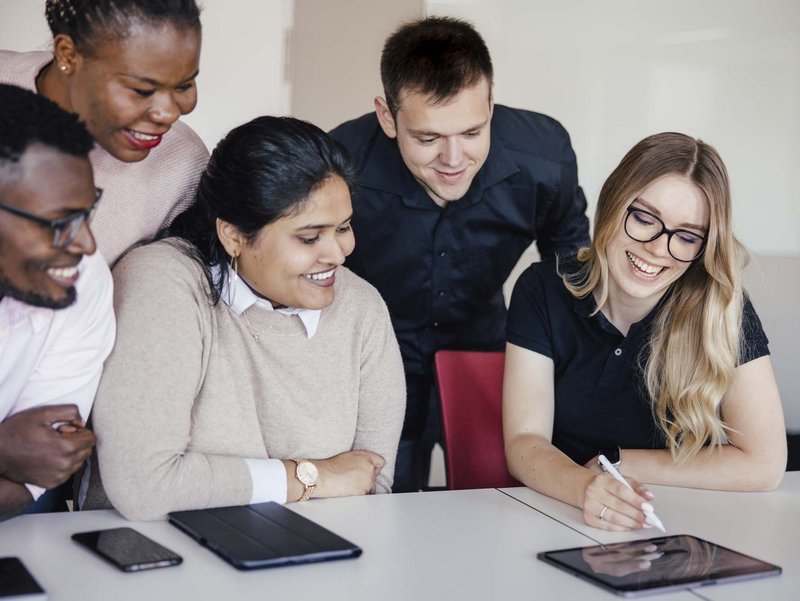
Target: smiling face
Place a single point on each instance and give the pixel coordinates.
(130, 92)
(292, 261)
(641, 272)
(52, 185)
(443, 145)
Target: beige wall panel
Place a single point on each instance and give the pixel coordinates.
(336, 51)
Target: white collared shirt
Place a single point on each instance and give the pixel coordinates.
(268, 476)
(55, 356)
(239, 297)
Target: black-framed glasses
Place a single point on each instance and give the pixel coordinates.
(683, 245)
(66, 229)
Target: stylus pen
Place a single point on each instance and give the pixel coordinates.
(650, 515)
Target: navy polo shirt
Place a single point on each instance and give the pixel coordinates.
(600, 397)
(441, 270)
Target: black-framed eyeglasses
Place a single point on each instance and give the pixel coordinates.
(683, 245)
(66, 229)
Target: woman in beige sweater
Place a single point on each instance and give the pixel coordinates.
(250, 365)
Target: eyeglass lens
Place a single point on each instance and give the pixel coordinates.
(644, 227)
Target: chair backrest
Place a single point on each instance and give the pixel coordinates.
(470, 391)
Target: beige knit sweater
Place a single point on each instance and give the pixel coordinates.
(188, 392)
(140, 198)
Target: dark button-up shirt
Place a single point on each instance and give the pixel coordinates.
(441, 270)
(600, 396)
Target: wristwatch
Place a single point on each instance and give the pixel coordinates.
(613, 456)
(308, 475)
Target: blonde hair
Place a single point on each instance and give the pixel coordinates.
(694, 340)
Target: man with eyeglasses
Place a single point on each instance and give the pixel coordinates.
(56, 316)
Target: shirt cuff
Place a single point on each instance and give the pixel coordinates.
(36, 491)
(269, 480)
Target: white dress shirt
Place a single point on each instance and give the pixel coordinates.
(268, 475)
(55, 356)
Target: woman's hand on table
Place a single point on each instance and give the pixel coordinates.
(348, 474)
(610, 505)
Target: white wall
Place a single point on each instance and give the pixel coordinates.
(727, 71)
(242, 71)
(242, 66)
(615, 71)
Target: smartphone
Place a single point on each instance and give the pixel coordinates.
(129, 550)
(16, 581)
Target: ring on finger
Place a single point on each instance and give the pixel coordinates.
(603, 512)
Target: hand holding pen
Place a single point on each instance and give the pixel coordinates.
(647, 509)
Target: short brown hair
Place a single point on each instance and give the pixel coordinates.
(436, 56)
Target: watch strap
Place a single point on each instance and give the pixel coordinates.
(614, 456)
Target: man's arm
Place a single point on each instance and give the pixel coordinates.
(33, 451)
(565, 228)
(14, 499)
(45, 440)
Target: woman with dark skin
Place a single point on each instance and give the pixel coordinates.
(128, 69)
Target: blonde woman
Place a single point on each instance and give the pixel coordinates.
(644, 348)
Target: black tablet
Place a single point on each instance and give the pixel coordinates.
(644, 567)
(264, 535)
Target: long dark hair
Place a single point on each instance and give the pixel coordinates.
(261, 171)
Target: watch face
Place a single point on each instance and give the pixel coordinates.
(612, 454)
(307, 473)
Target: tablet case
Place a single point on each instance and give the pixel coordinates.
(263, 535)
(17, 583)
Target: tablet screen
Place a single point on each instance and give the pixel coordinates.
(667, 562)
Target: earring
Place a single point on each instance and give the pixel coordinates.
(235, 267)
(234, 280)
(63, 68)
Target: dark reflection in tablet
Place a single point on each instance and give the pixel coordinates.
(660, 563)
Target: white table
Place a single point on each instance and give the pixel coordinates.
(463, 545)
(764, 525)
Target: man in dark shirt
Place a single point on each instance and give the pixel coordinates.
(452, 190)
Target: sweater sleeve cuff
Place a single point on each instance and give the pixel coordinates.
(269, 480)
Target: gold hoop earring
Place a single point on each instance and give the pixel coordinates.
(235, 267)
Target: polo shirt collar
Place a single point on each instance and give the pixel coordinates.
(385, 170)
(239, 297)
(586, 305)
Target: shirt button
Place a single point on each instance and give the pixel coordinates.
(435, 324)
(442, 254)
(441, 293)
(618, 352)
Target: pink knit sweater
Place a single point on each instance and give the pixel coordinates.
(138, 198)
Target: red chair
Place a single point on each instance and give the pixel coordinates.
(470, 391)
